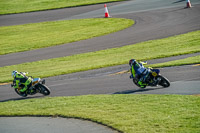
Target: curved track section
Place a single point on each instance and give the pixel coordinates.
(170, 18)
(185, 80)
(50, 125)
(149, 25)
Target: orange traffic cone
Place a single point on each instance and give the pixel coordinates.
(106, 12)
(188, 5)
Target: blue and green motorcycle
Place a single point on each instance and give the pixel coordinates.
(153, 78)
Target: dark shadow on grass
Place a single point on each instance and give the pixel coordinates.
(138, 90)
(20, 98)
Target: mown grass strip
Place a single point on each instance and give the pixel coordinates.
(38, 35)
(186, 61)
(127, 113)
(20, 6)
(176, 45)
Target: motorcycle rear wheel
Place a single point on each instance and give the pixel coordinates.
(19, 93)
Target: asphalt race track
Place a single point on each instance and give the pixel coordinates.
(151, 24)
(161, 19)
(154, 20)
(50, 125)
(115, 80)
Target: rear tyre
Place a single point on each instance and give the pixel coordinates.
(164, 82)
(44, 89)
(20, 93)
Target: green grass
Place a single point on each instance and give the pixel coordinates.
(186, 61)
(19, 6)
(176, 45)
(127, 113)
(38, 35)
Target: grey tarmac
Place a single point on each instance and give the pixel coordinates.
(150, 25)
(155, 20)
(50, 125)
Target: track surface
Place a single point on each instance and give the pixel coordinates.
(150, 24)
(49, 125)
(159, 19)
(185, 80)
(154, 20)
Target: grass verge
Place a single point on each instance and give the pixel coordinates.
(176, 45)
(127, 113)
(38, 35)
(20, 6)
(186, 61)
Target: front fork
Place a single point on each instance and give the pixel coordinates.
(155, 81)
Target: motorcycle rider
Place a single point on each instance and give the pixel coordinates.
(139, 71)
(21, 81)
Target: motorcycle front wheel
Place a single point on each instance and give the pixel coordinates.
(43, 89)
(164, 81)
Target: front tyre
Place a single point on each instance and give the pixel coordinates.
(164, 82)
(44, 89)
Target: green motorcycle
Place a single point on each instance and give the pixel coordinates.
(38, 86)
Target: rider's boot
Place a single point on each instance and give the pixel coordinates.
(23, 90)
(142, 85)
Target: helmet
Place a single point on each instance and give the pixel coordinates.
(14, 73)
(132, 62)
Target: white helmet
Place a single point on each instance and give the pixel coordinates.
(14, 73)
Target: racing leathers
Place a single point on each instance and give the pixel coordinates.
(22, 82)
(140, 72)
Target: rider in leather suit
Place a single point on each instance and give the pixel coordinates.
(138, 71)
(21, 81)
